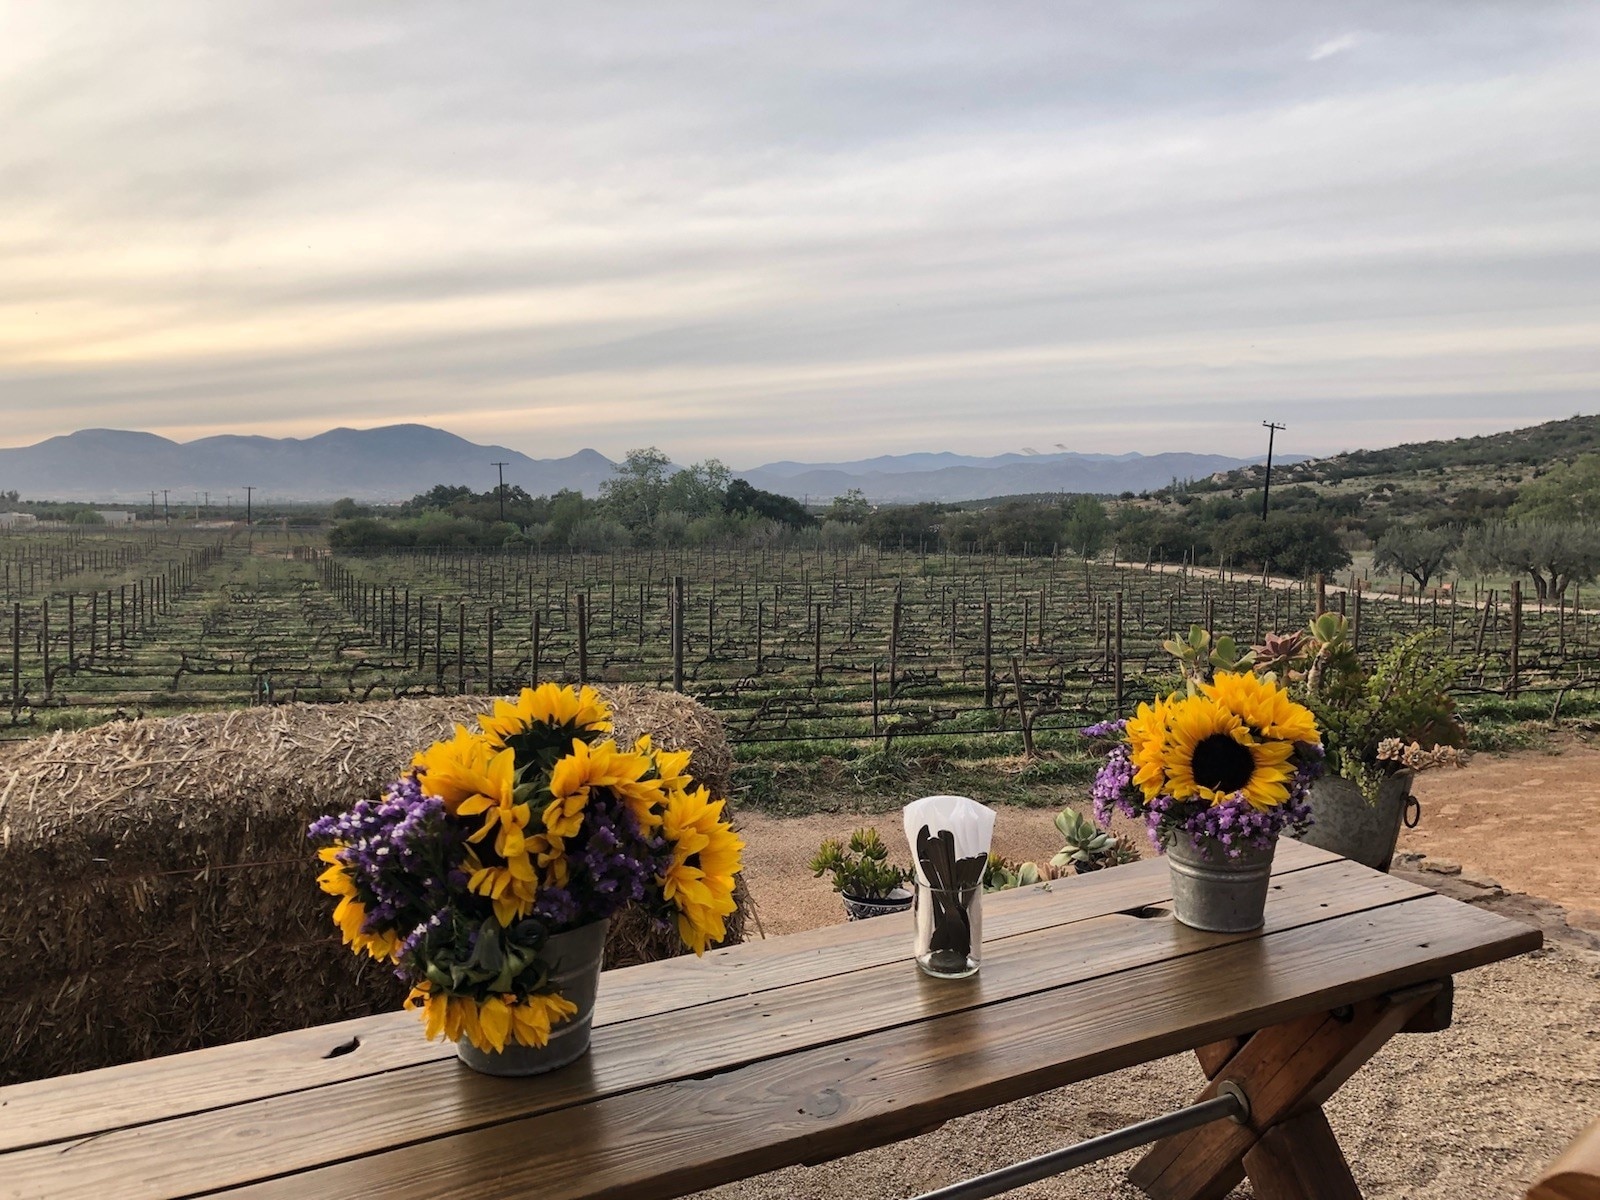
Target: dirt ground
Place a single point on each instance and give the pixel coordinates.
(1472, 1113)
(1530, 820)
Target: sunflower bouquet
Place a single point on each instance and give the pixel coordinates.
(1229, 765)
(498, 839)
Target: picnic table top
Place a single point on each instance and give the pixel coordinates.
(793, 1049)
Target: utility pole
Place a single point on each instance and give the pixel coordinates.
(248, 511)
(501, 468)
(166, 511)
(1266, 487)
(152, 504)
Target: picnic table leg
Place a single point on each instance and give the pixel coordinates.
(1286, 1072)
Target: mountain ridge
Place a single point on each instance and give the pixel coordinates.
(391, 463)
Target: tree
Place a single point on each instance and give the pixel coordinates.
(1420, 553)
(697, 491)
(1566, 494)
(1085, 526)
(634, 494)
(1553, 556)
(345, 509)
(1291, 543)
(742, 498)
(851, 508)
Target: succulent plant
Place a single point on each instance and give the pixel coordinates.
(1088, 847)
(1200, 654)
(1002, 874)
(860, 869)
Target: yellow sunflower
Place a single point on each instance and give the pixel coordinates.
(456, 769)
(350, 914)
(1147, 744)
(1211, 755)
(599, 765)
(547, 704)
(705, 860)
(1262, 705)
(452, 1017)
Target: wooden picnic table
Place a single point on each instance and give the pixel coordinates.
(801, 1049)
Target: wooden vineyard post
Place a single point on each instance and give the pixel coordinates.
(1483, 624)
(122, 616)
(405, 633)
(1322, 593)
(533, 651)
(894, 643)
(72, 633)
(988, 654)
(94, 625)
(438, 644)
(16, 661)
(1516, 637)
(677, 633)
(816, 651)
(488, 652)
(874, 699)
(1022, 707)
(761, 616)
(1258, 616)
(44, 643)
(1117, 658)
(583, 638)
(1355, 621)
(461, 649)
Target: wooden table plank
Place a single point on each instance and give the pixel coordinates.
(117, 1097)
(442, 1098)
(687, 1135)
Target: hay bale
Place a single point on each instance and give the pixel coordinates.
(160, 892)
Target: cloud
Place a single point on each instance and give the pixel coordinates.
(809, 230)
(1337, 45)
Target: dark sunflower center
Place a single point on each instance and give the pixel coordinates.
(1222, 764)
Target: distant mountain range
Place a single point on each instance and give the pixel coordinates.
(373, 465)
(398, 461)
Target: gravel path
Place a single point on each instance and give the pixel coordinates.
(1468, 1114)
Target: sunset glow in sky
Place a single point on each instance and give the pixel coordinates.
(807, 230)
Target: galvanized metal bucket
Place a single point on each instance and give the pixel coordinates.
(1346, 822)
(575, 957)
(1217, 893)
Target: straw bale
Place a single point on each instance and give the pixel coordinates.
(159, 889)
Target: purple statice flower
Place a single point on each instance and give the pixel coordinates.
(611, 863)
(1105, 729)
(400, 851)
(1113, 787)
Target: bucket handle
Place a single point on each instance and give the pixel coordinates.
(1413, 812)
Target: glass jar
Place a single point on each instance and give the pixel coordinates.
(949, 930)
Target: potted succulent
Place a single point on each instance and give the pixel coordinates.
(867, 882)
(1381, 724)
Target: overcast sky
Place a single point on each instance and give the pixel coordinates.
(801, 230)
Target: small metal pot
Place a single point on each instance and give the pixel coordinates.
(859, 910)
(1215, 892)
(575, 957)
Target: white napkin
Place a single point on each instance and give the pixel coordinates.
(971, 825)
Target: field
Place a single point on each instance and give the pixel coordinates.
(806, 654)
